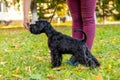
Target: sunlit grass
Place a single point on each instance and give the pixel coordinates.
(24, 56)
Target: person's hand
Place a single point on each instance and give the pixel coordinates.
(26, 23)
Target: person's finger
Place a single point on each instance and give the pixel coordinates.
(26, 25)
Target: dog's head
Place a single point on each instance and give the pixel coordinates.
(38, 27)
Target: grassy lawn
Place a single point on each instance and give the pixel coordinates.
(24, 56)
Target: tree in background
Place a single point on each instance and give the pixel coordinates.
(45, 8)
(7, 3)
(117, 7)
(33, 8)
(105, 8)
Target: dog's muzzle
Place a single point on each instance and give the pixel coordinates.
(33, 29)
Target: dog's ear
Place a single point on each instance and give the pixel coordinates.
(41, 23)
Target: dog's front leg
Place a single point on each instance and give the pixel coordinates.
(56, 58)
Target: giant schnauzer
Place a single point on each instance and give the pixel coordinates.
(62, 44)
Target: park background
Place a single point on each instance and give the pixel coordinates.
(24, 56)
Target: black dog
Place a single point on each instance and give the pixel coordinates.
(62, 44)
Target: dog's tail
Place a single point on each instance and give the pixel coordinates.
(85, 36)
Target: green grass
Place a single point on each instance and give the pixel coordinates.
(24, 56)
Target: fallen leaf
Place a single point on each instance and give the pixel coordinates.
(102, 41)
(50, 77)
(1, 76)
(80, 67)
(28, 69)
(16, 75)
(99, 77)
(17, 69)
(37, 57)
(3, 63)
(17, 46)
(100, 56)
(118, 77)
(59, 68)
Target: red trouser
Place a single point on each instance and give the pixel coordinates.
(82, 12)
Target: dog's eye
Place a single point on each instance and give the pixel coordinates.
(43, 23)
(37, 23)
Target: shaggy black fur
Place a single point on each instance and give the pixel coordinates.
(62, 44)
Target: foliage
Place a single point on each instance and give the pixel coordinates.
(12, 2)
(117, 7)
(105, 8)
(46, 8)
(24, 56)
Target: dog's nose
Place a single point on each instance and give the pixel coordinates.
(31, 26)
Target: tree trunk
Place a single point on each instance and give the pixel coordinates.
(34, 11)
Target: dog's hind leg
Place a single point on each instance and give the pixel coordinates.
(87, 59)
(79, 58)
(56, 58)
(91, 60)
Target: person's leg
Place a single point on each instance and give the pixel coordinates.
(74, 7)
(87, 11)
(84, 8)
